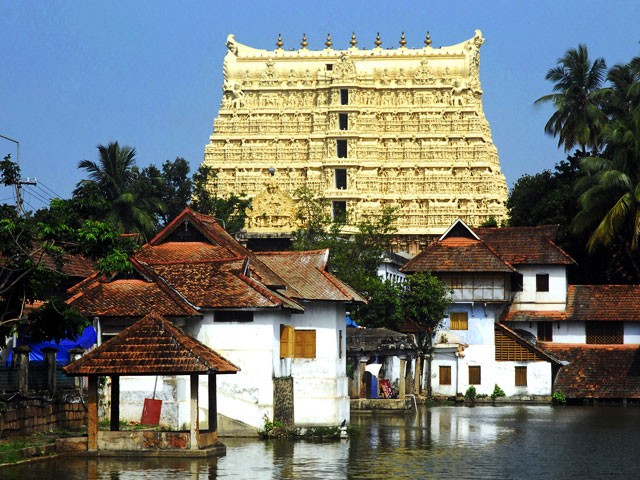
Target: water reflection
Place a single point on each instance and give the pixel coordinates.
(455, 442)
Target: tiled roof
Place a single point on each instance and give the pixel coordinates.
(604, 302)
(534, 316)
(597, 371)
(220, 284)
(457, 254)
(306, 275)
(217, 238)
(128, 298)
(589, 303)
(151, 346)
(526, 245)
(174, 252)
(372, 341)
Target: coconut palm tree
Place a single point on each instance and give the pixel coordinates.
(610, 198)
(577, 120)
(116, 177)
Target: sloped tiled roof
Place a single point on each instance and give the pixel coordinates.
(597, 371)
(589, 303)
(306, 276)
(128, 298)
(604, 302)
(220, 284)
(151, 346)
(534, 316)
(217, 237)
(173, 252)
(457, 254)
(526, 245)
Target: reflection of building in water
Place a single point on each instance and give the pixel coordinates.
(364, 128)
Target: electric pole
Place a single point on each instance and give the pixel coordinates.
(19, 183)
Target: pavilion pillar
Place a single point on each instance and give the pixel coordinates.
(213, 403)
(92, 414)
(50, 362)
(418, 376)
(115, 403)
(361, 371)
(401, 388)
(195, 420)
(21, 360)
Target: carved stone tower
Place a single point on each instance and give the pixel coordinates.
(364, 128)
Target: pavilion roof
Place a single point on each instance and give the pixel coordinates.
(151, 346)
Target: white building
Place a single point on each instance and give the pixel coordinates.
(490, 270)
(278, 316)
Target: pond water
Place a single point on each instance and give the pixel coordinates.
(506, 442)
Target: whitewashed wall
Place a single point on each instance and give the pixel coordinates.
(530, 299)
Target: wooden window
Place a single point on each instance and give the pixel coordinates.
(474, 375)
(287, 335)
(605, 333)
(341, 148)
(545, 331)
(339, 211)
(344, 96)
(521, 376)
(455, 282)
(233, 316)
(542, 282)
(343, 121)
(445, 375)
(341, 178)
(459, 321)
(305, 344)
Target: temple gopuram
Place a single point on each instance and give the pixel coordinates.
(363, 128)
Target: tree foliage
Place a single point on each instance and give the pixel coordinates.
(425, 300)
(604, 120)
(230, 211)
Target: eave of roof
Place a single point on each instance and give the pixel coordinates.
(151, 346)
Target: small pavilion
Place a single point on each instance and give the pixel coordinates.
(152, 346)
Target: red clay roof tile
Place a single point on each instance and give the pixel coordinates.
(597, 371)
(151, 346)
(306, 275)
(456, 254)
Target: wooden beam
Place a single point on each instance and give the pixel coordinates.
(194, 417)
(213, 403)
(115, 403)
(92, 413)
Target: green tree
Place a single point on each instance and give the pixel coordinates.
(117, 179)
(610, 185)
(424, 301)
(577, 119)
(33, 252)
(177, 187)
(230, 211)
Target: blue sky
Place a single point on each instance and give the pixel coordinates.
(148, 73)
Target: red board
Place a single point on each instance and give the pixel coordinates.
(151, 411)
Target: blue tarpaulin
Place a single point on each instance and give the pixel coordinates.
(85, 340)
(351, 323)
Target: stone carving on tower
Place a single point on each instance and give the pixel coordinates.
(363, 128)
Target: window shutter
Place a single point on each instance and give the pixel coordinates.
(445, 375)
(287, 335)
(459, 321)
(305, 344)
(521, 376)
(310, 344)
